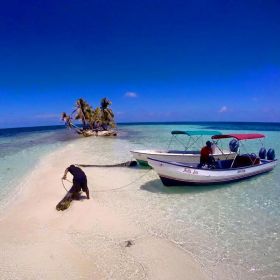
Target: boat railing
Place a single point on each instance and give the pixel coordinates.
(239, 161)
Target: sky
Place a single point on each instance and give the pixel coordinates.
(190, 60)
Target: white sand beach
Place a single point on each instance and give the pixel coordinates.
(90, 239)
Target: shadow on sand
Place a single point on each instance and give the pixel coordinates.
(81, 197)
(156, 186)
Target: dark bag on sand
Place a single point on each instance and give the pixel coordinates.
(66, 201)
(63, 204)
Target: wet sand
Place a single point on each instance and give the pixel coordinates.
(90, 240)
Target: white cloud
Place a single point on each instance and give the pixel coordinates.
(223, 109)
(131, 94)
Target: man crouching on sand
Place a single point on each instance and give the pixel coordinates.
(79, 180)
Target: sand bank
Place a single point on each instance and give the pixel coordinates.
(90, 240)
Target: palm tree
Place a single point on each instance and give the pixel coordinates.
(96, 118)
(100, 118)
(83, 112)
(107, 115)
(66, 119)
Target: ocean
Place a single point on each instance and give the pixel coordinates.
(233, 230)
(21, 149)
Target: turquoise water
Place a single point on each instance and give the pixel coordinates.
(21, 149)
(232, 230)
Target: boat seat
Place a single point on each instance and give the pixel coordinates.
(246, 160)
(223, 164)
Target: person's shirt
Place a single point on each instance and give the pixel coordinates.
(206, 151)
(77, 172)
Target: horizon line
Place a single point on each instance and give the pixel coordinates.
(151, 123)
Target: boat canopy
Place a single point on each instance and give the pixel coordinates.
(239, 136)
(196, 132)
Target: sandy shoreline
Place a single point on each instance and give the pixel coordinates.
(87, 241)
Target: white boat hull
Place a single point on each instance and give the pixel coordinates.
(177, 156)
(174, 173)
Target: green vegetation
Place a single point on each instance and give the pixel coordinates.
(98, 119)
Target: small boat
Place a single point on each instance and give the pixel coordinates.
(220, 171)
(196, 139)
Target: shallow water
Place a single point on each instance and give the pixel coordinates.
(21, 149)
(232, 230)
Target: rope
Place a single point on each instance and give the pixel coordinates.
(123, 164)
(126, 185)
(64, 185)
(113, 189)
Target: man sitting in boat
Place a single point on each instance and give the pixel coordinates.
(79, 180)
(205, 153)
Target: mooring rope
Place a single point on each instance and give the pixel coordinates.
(123, 164)
(63, 183)
(126, 185)
(113, 189)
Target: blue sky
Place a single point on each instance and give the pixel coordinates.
(200, 60)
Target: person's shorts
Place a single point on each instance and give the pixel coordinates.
(79, 185)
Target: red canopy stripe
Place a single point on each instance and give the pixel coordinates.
(240, 136)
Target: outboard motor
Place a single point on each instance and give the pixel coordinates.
(262, 153)
(270, 154)
(234, 145)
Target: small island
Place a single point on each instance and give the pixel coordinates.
(95, 122)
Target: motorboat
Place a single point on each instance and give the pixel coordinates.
(242, 166)
(190, 152)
